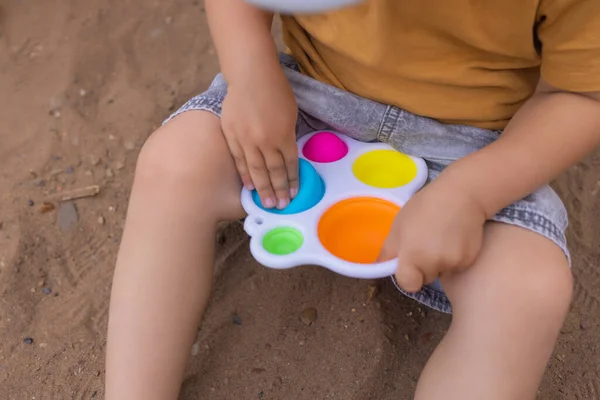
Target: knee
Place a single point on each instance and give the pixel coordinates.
(549, 290)
(167, 159)
(540, 287)
(187, 160)
(189, 151)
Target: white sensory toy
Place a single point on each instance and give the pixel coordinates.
(350, 192)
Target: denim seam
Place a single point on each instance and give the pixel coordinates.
(538, 220)
(428, 297)
(388, 123)
(527, 220)
(209, 104)
(382, 125)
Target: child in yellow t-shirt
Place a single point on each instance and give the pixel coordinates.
(499, 97)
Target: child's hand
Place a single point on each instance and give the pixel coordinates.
(439, 230)
(259, 123)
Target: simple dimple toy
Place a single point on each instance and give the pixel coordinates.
(350, 193)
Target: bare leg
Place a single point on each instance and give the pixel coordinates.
(185, 183)
(508, 311)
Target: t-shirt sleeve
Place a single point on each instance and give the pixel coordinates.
(569, 32)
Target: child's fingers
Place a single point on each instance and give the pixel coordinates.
(260, 176)
(388, 252)
(290, 156)
(240, 163)
(278, 177)
(409, 277)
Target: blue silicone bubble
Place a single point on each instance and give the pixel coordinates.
(312, 190)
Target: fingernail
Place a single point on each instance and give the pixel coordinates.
(249, 186)
(282, 204)
(293, 192)
(269, 203)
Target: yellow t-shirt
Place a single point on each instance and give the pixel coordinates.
(472, 62)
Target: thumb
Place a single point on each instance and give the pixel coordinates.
(409, 277)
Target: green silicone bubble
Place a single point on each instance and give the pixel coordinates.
(283, 241)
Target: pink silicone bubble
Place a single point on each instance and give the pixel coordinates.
(325, 147)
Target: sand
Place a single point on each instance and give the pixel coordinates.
(83, 84)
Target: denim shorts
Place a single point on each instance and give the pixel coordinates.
(323, 107)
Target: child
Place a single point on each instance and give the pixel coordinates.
(498, 96)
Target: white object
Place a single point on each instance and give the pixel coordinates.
(341, 183)
(302, 6)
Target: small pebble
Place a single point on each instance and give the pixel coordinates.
(69, 170)
(31, 203)
(67, 216)
(582, 326)
(41, 282)
(47, 290)
(195, 349)
(129, 145)
(109, 173)
(308, 316)
(82, 92)
(43, 345)
(260, 395)
(101, 220)
(236, 319)
(28, 340)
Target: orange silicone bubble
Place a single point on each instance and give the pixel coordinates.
(355, 229)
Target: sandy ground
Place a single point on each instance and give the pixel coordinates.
(82, 84)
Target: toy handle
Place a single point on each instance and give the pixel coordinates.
(252, 224)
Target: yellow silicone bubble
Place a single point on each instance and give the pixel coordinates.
(384, 169)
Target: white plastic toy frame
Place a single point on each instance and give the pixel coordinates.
(340, 184)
